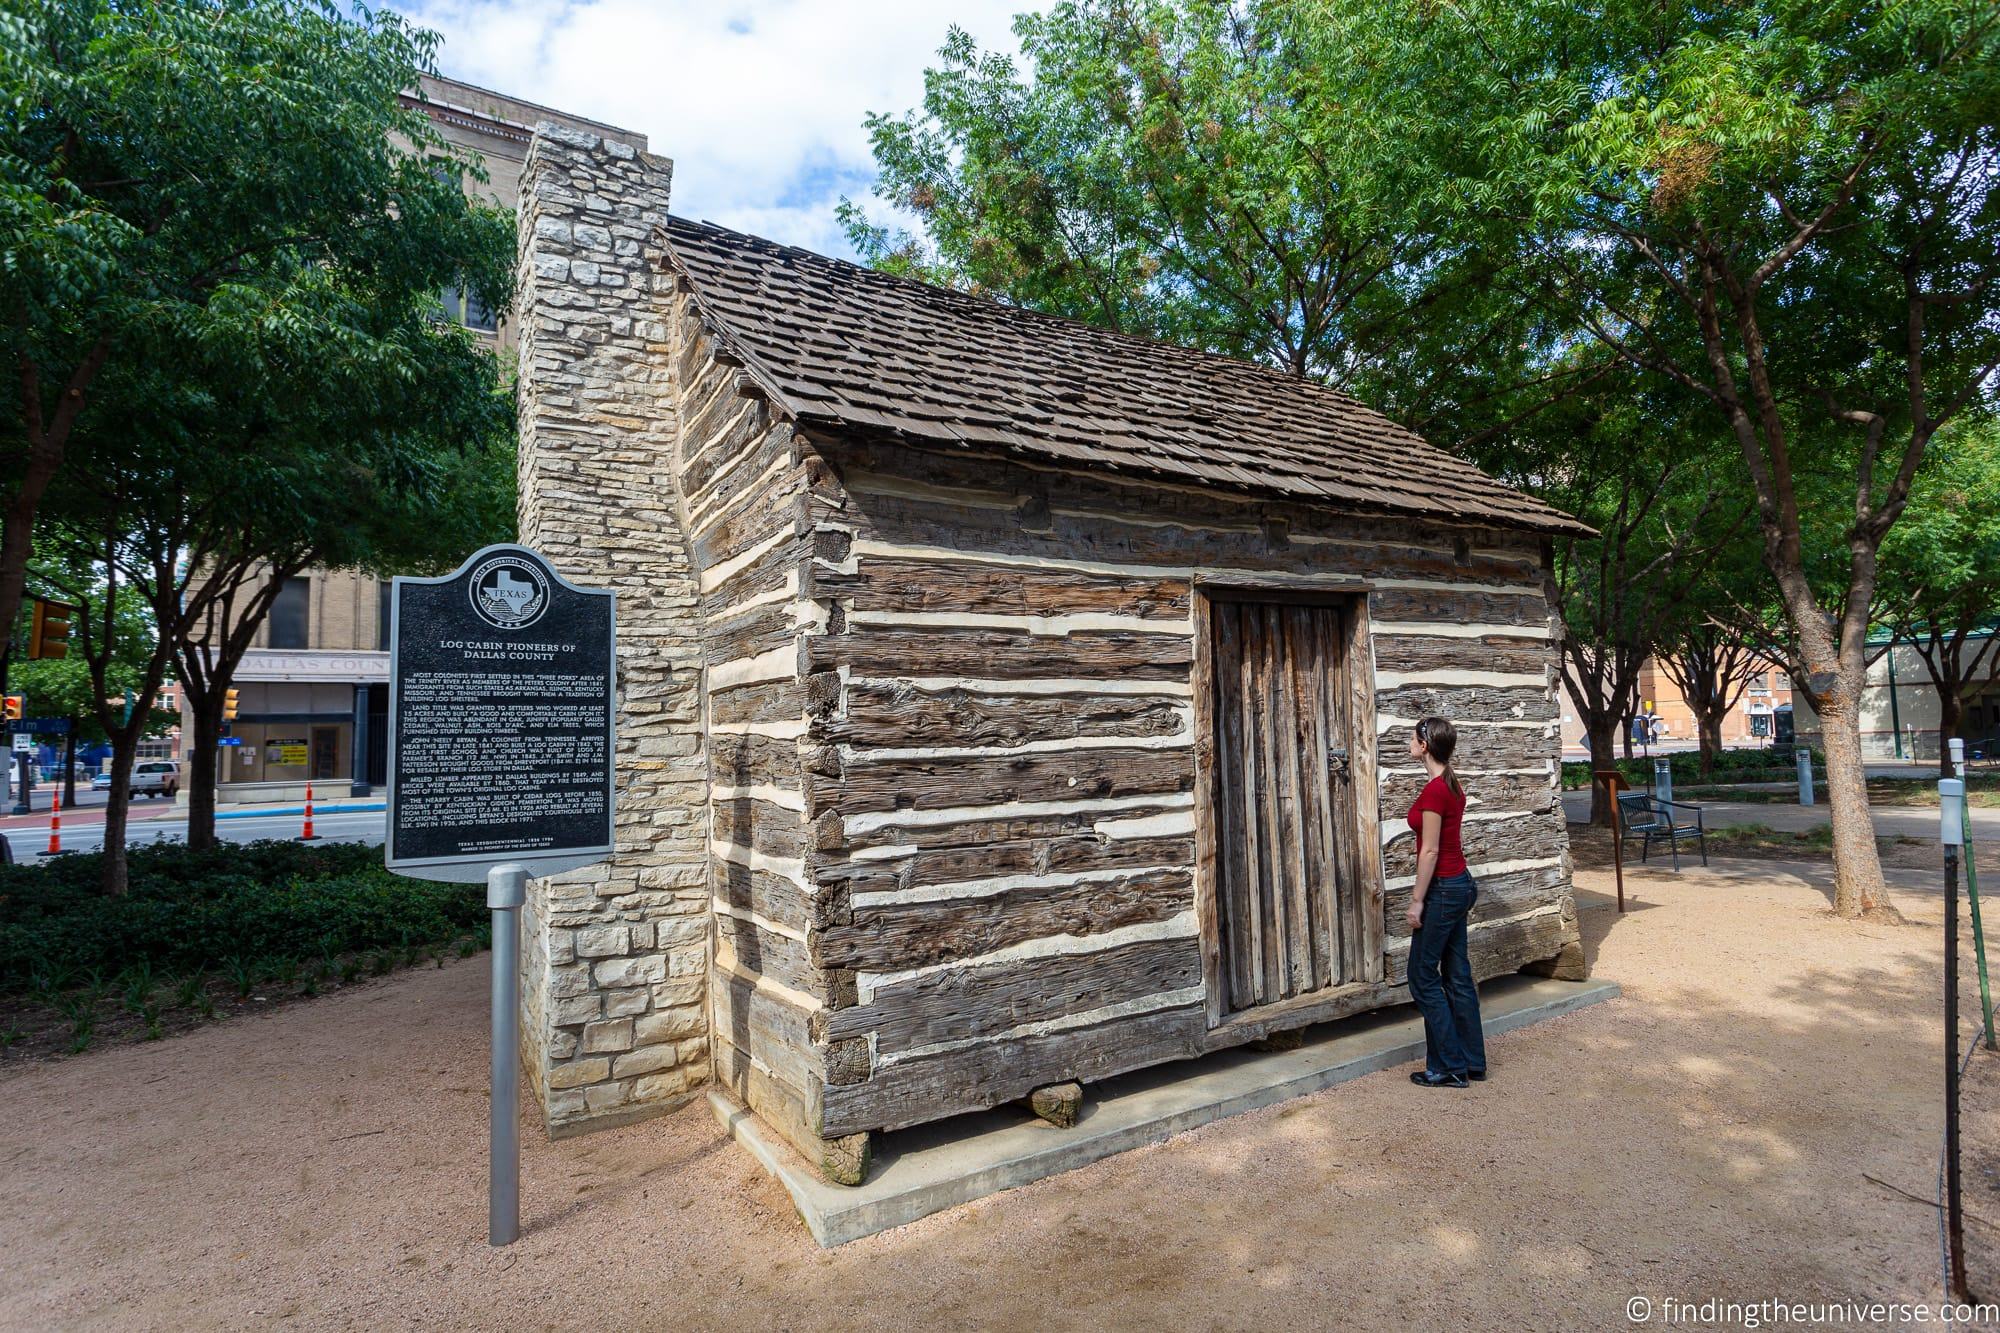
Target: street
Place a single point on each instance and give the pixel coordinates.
(30, 839)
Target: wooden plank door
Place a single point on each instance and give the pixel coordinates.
(1287, 907)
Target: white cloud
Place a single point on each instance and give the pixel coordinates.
(759, 103)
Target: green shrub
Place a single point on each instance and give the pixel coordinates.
(282, 904)
(1762, 765)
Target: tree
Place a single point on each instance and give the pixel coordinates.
(106, 606)
(1784, 207)
(1620, 458)
(408, 465)
(63, 687)
(193, 171)
(1711, 664)
(454, 501)
(1941, 569)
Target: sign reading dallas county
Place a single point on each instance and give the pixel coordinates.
(500, 704)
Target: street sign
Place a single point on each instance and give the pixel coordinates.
(501, 688)
(40, 726)
(500, 703)
(230, 740)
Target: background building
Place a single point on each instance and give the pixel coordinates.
(1747, 725)
(313, 693)
(1899, 705)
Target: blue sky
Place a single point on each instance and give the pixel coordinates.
(759, 103)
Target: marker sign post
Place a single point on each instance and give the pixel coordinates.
(501, 688)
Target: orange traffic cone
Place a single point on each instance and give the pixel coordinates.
(307, 835)
(55, 822)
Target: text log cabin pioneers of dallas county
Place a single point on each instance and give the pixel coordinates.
(1005, 702)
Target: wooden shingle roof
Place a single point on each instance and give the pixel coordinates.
(838, 345)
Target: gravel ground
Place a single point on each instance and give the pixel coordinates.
(1711, 1134)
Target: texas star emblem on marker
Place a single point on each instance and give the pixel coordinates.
(509, 598)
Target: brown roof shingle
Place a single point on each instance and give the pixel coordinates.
(836, 344)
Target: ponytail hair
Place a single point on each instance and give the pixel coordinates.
(1440, 739)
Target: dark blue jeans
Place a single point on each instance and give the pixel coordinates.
(1441, 980)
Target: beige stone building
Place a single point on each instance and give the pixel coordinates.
(1900, 714)
(313, 693)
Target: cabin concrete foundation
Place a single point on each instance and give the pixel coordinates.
(938, 1166)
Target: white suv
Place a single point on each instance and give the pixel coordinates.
(156, 777)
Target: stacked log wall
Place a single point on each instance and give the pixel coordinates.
(746, 479)
(999, 662)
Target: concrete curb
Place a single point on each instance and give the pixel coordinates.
(933, 1167)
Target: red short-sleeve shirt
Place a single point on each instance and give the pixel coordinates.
(1437, 795)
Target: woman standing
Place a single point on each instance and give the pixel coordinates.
(1440, 969)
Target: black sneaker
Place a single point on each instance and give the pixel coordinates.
(1476, 1075)
(1423, 1078)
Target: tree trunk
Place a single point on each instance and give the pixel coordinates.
(1708, 727)
(124, 750)
(1601, 734)
(202, 761)
(69, 766)
(1857, 864)
(1951, 709)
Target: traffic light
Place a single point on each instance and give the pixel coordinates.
(15, 702)
(229, 705)
(48, 635)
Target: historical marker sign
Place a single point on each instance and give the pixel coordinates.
(500, 707)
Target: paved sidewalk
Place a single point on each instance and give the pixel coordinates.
(1907, 821)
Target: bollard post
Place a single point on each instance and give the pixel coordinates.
(306, 834)
(1951, 833)
(1663, 777)
(1805, 776)
(506, 891)
(1957, 753)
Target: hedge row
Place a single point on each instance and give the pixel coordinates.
(196, 911)
(1760, 765)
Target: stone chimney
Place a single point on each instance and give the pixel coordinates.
(615, 958)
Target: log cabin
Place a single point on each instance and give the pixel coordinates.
(1042, 691)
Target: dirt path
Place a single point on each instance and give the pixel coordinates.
(1709, 1134)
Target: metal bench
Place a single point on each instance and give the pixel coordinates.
(1648, 817)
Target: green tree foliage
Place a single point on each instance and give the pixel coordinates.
(219, 183)
(1182, 169)
(1941, 568)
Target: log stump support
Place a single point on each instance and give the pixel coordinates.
(844, 1161)
(1289, 1040)
(1058, 1103)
